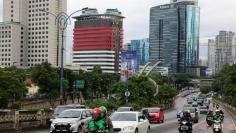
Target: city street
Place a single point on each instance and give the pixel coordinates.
(170, 125)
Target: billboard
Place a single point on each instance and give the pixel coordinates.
(129, 64)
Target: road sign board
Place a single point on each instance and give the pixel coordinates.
(79, 84)
(127, 93)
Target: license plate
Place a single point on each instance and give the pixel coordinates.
(184, 128)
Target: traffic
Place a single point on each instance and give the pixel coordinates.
(193, 110)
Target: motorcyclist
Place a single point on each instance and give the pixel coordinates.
(145, 113)
(97, 123)
(187, 117)
(107, 120)
(210, 117)
(218, 116)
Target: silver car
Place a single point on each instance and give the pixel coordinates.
(203, 110)
(71, 120)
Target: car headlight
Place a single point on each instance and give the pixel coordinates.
(72, 123)
(128, 128)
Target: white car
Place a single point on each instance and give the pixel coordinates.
(130, 122)
(71, 120)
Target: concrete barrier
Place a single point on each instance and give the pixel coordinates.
(17, 120)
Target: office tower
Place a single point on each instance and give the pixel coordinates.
(12, 44)
(141, 47)
(211, 55)
(174, 35)
(224, 48)
(127, 47)
(40, 29)
(98, 40)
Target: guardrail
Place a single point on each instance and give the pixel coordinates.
(230, 109)
(16, 120)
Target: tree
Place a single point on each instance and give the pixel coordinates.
(225, 83)
(48, 81)
(141, 91)
(11, 88)
(158, 78)
(182, 79)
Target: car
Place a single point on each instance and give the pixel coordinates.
(71, 120)
(130, 122)
(203, 110)
(62, 108)
(189, 100)
(193, 112)
(187, 105)
(179, 114)
(195, 104)
(122, 109)
(155, 114)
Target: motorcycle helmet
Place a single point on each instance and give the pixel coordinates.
(217, 112)
(96, 113)
(104, 111)
(185, 113)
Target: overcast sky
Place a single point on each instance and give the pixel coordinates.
(215, 15)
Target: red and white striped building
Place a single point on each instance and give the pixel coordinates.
(98, 40)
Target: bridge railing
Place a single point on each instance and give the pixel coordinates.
(16, 120)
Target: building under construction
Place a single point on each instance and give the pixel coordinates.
(98, 40)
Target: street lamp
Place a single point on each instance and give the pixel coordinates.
(62, 20)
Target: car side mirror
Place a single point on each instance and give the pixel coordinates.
(141, 120)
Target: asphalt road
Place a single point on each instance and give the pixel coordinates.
(171, 125)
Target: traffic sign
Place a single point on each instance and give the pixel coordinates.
(79, 84)
(127, 93)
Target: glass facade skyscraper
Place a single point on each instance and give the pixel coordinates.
(142, 48)
(174, 35)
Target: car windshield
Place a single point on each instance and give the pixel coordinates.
(123, 117)
(153, 110)
(70, 114)
(124, 109)
(58, 110)
(203, 107)
(192, 110)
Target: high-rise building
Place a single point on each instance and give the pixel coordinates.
(40, 31)
(234, 51)
(142, 49)
(12, 44)
(127, 47)
(224, 49)
(211, 56)
(174, 35)
(98, 40)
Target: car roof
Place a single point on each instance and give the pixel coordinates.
(130, 112)
(125, 107)
(76, 109)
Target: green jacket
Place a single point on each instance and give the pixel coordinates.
(100, 124)
(218, 117)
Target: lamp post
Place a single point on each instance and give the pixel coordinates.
(62, 20)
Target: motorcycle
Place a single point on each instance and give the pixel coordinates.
(217, 128)
(209, 121)
(185, 127)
